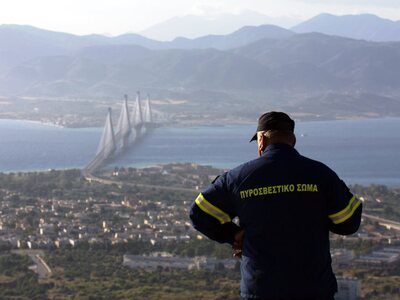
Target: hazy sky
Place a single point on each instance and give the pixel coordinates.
(121, 16)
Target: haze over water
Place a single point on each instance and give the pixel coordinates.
(360, 151)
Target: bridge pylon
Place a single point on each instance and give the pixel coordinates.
(107, 144)
(138, 115)
(124, 125)
(141, 119)
(106, 147)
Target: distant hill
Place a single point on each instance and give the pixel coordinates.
(269, 66)
(193, 26)
(319, 60)
(366, 27)
(338, 103)
(21, 43)
(241, 37)
(136, 39)
(303, 62)
(114, 69)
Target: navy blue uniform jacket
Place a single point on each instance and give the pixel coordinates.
(286, 204)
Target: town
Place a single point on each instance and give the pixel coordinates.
(147, 210)
(144, 214)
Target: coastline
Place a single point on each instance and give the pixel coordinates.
(362, 182)
(348, 146)
(35, 122)
(208, 121)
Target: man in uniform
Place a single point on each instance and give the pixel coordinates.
(286, 205)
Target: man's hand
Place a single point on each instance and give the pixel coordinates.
(238, 244)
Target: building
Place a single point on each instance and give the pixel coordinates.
(174, 262)
(381, 259)
(348, 289)
(341, 257)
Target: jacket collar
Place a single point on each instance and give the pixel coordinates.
(278, 149)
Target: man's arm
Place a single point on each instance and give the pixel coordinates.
(348, 220)
(212, 213)
(344, 210)
(212, 227)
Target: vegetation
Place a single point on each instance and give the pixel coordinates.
(95, 271)
(359, 246)
(380, 200)
(376, 284)
(99, 274)
(17, 281)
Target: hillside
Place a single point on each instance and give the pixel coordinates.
(321, 61)
(265, 65)
(364, 27)
(21, 43)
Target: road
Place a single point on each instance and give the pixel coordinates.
(384, 222)
(42, 269)
(90, 177)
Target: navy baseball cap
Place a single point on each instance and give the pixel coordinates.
(274, 120)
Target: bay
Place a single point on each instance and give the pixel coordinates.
(361, 151)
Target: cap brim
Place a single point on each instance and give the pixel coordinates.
(254, 138)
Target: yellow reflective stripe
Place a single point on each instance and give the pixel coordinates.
(212, 210)
(347, 212)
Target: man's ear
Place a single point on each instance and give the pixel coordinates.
(262, 144)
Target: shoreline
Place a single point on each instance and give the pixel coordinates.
(21, 160)
(208, 123)
(49, 124)
(364, 182)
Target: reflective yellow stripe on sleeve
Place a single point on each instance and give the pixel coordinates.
(347, 212)
(212, 210)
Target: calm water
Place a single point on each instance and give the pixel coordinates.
(360, 151)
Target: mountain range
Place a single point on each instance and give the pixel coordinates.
(194, 26)
(255, 62)
(21, 43)
(300, 61)
(364, 27)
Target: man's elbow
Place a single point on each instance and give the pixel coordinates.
(350, 226)
(192, 216)
(344, 229)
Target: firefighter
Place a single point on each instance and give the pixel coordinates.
(286, 205)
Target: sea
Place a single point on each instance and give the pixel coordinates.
(361, 151)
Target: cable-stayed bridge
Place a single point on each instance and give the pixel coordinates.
(131, 127)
